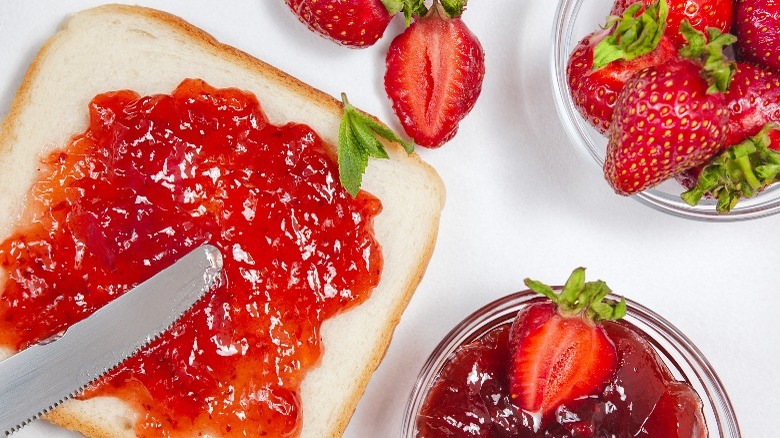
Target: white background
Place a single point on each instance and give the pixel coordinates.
(520, 201)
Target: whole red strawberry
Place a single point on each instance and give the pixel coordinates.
(434, 76)
(671, 117)
(758, 31)
(559, 351)
(701, 14)
(354, 23)
(604, 60)
(753, 100)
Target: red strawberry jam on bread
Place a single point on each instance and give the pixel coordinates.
(150, 179)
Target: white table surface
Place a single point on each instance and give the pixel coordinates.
(520, 202)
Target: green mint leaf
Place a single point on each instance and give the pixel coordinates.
(352, 159)
(370, 144)
(386, 133)
(357, 141)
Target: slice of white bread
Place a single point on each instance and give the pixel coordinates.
(124, 47)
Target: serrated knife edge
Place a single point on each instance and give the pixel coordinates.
(38, 379)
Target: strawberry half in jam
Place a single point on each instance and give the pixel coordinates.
(559, 351)
(543, 375)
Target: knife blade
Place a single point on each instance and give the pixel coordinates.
(41, 377)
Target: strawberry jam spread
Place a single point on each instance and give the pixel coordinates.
(471, 397)
(152, 178)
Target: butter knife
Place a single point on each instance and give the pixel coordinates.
(39, 378)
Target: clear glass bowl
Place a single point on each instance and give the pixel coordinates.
(575, 19)
(684, 360)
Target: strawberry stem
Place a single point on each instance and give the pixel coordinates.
(717, 69)
(437, 9)
(454, 8)
(747, 170)
(578, 297)
(632, 36)
(740, 171)
(410, 8)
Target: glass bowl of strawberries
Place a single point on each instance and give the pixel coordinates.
(567, 361)
(676, 112)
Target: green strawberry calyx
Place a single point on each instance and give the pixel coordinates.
(632, 36)
(358, 140)
(717, 69)
(581, 298)
(410, 8)
(454, 8)
(740, 171)
(417, 8)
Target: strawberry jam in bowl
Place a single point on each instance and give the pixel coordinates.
(569, 361)
(643, 111)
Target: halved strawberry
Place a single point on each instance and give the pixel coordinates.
(604, 60)
(434, 76)
(559, 350)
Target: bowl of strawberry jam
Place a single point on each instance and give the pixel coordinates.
(574, 21)
(517, 368)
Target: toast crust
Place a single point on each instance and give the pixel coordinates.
(76, 415)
